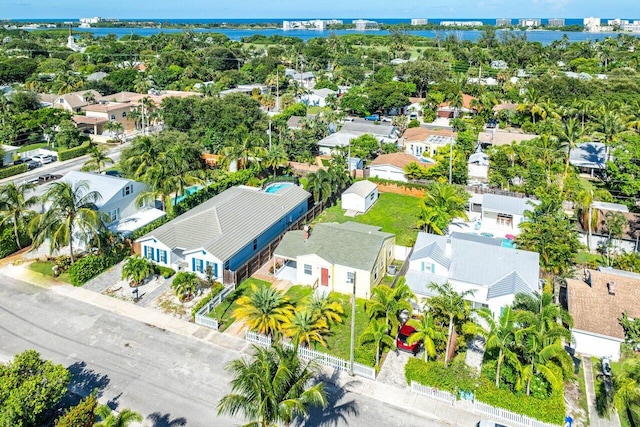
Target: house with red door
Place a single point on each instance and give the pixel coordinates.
(334, 257)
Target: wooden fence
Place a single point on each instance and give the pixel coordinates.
(248, 268)
(318, 356)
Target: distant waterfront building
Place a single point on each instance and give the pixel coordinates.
(419, 21)
(529, 22)
(619, 22)
(631, 27)
(503, 22)
(591, 24)
(461, 23)
(316, 24)
(363, 24)
(93, 20)
(556, 22)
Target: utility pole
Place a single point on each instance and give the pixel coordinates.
(450, 161)
(269, 135)
(353, 327)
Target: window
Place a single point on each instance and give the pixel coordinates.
(255, 244)
(375, 274)
(307, 269)
(114, 214)
(148, 252)
(373, 196)
(428, 266)
(197, 265)
(127, 190)
(162, 256)
(214, 268)
(124, 114)
(351, 277)
(113, 117)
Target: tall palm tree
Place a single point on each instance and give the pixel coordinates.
(319, 184)
(531, 104)
(386, 303)
(427, 333)
(500, 335)
(441, 204)
(569, 134)
(452, 305)
(305, 327)
(378, 332)
(264, 309)
(116, 127)
(16, 201)
(98, 159)
(122, 419)
(275, 157)
(73, 213)
(272, 387)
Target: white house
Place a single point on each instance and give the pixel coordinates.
(118, 200)
(589, 157)
(596, 304)
(505, 212)
(334, 256)
(318, 97)
(478, 166)
(9, 153)
(227, 230)
(469, 262)
(360, 196)
(391, 166)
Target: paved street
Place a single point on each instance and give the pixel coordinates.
(170, 378)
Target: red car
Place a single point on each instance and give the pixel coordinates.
(401, 340)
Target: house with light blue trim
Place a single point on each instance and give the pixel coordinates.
(227, 230)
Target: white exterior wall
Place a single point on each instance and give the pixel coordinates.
(478, 171)
(316, 264)
(126, 205)
(388, 172)
(352, 201)
(156, 244)
(597, 345)
(439, 270)
(205, 256)
(491, 219)
(339, 281)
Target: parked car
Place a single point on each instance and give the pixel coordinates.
(492, 124)
(373, 117)
(48, 177)
(31, 164)
(402, 339)
(44, 159)
(487, 423)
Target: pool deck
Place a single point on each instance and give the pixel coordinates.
(499, 231)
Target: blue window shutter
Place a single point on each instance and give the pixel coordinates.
(153, 252)
(433, 268)
(423, 266)
(144, 251)
(193, 264)
(215, 269)
(164, 255)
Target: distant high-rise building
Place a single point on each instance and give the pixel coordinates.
(503, 22)
(419, 21)
(591, 24)
(556, 22)
(363, 24)
(461, 23)
(529, 22)
(618, 21)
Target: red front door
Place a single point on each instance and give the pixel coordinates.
(324, 277)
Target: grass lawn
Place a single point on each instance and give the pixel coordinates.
(32, 147)
(395, 213)
(316, 110)
(44, 268)
(589, 259)
(223, 311)
(298, 293)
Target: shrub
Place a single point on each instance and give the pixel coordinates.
(88, 267)
(13, 170)
(165, 272)
(8, 241)
(185, 285)
(149, 227)
(456, 376)
(72, 153)
(414, 123)
(63, 262)
(215, 290)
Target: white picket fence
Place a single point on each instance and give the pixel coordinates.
(504, 415)
(201, 315)
(318, 356)
(433, 393)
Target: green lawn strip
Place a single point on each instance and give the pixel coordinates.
(298, 293)
(395, 213)
(223, 311)
(582, 400)
(589, 259)
(44, 268)
(32, 147)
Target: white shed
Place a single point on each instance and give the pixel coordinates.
(360, 196)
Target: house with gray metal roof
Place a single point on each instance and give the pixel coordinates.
(589, 157)
(359, 197)
(334, 257)
(505, 212)
(227, 230)
(495, 273)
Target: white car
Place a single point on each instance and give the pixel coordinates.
(43, 159)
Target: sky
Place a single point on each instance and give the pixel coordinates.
(264, 9)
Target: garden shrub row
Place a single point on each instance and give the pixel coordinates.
(72, 153)
(8, 243)
(453, 378)
(215, 290)
(87, 268)
(13, 170)
(165, 272)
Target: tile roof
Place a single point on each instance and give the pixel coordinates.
(399, 160)
(595, 310)
(105, 108)
(350, 244)
(229, 221)
(361, 188)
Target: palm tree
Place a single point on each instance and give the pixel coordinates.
(275, 157)
(427, 333)
(136, 269)
(98, 159)
(452, 305)
(272, 387)
(15, 206)
(387, 303)
(378, 332)
(116, 127)
(73, 213)
(319, 184)
(123, 419)
(305, 327)
(569, 134)
(264, 309)
(441, 204)
(627, 394)
(531, 104)
(501, 336)
(247, 148)
(185, 285)
(326, 308)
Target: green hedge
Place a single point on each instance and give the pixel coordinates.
(13, 170)
(89, 267)
(8, 241)
(165, 272)
(550, 410)
(72, 153)
(215, 290)
(457, 376)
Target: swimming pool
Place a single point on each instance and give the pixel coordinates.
(274, 188)
(187, 192)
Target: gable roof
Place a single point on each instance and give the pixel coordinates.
(229, 221)
(105, 108)
(466, 102)
(361, 188)
(511, 284)
(506, 204)
(421, 134)
(324, 92)
(399, 160)
(589, 155)
(108, 186)
(338, 139)
(369, 127)
(350, 244)
(434, 252)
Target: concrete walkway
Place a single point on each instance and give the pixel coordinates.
(595, 420)
(392, 370)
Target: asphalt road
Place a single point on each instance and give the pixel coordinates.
(171, 379)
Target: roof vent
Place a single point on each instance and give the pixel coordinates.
(611, 287)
